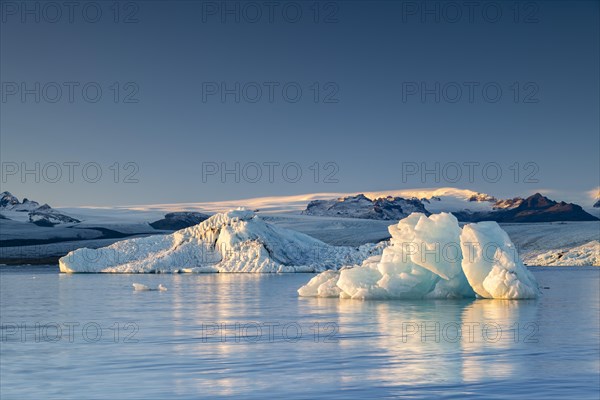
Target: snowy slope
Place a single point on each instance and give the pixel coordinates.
(538, 242)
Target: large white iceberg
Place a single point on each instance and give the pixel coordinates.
(235, 241)
(432, 257)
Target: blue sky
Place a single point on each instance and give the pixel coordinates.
(152, 101)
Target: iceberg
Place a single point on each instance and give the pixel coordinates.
(432, 257)
(234, 241)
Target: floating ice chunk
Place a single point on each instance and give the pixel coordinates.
(138, 287)
(426, 259)
(492, 265)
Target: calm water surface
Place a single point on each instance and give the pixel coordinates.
(230, 335)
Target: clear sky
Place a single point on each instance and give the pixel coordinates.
(353, 95)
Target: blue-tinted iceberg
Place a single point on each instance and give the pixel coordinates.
(432, 257)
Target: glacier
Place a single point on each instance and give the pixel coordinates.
(433, 257)
(576, 256)
(234, 241)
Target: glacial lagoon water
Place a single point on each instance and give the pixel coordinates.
(226, 335)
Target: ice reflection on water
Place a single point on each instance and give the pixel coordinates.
(546, 346)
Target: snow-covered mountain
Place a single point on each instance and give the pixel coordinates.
(360, 206)
(44, 215)
(466, 206)
(8, 202)
(235, 241)
(47, 216)
(426, 201)
(535, 208)
(450, 199)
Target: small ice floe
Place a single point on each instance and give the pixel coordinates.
(138, 287)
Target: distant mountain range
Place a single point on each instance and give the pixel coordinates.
(34, 233)
(535, 208)
(43, 215)
(467, 206)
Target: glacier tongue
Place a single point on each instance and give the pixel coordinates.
(431, 257)
(235, 241)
